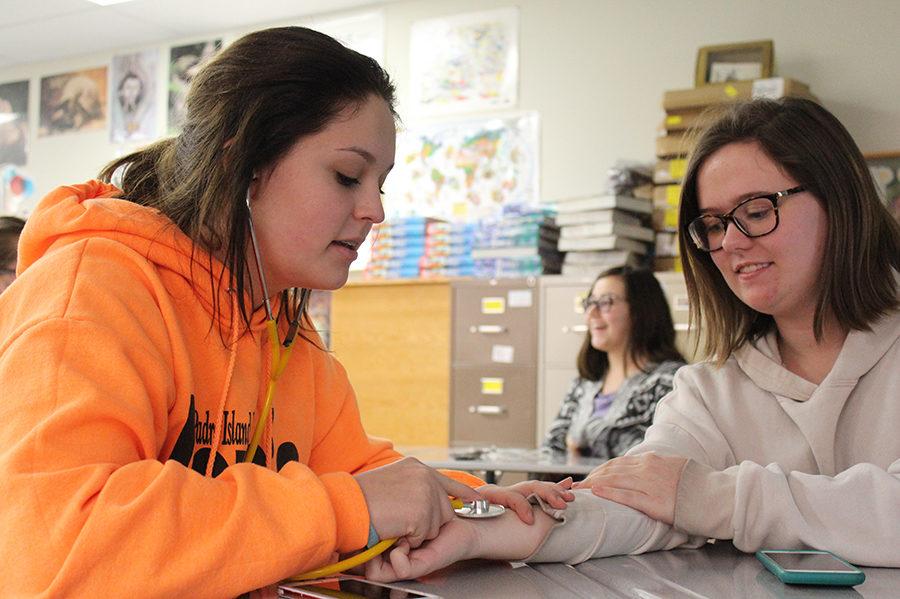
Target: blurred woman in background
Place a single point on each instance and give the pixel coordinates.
(625, 366)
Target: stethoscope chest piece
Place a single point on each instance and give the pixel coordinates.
(480, 508)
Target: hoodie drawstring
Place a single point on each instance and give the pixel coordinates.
(229, 374)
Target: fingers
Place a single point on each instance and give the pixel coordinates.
(556, 495)
(656, 507)
(613, 465)
(433, 528)
(457, 489)
(409, 499)
(379, 570)
(650, 490)
(521, 507)
(400, 563)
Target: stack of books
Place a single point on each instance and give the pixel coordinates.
(520, 242)
(448, 250)
(603, 231)
(397, 248)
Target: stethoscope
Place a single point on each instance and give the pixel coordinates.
(281, 353)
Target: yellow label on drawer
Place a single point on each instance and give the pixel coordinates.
(673, 194)
(493, 305)
(677, 168)
(491, 386)
(578, 302)
(673, 119)
(731, 91)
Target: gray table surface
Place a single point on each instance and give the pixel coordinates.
(504, 459)
(714, 571)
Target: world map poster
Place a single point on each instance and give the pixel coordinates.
(465, 170)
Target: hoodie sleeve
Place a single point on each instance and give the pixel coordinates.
(759, 506)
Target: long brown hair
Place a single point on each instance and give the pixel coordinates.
(10, 229)
(245, 109)
(652, 336)
(863, 240)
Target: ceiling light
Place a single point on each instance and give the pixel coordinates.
(108, 2)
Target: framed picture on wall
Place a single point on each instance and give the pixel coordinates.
(185, 62)
(132, 84)
(73, 102)
(14, 123)
(734, 62)
(885, 169)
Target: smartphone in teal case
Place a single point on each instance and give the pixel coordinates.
(810, 566)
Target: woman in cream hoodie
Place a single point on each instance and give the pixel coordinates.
(787, 436)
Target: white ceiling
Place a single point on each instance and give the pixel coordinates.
(43, 30)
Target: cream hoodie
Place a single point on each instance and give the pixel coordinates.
(775, 461)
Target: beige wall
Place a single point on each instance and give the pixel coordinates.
(596, 71)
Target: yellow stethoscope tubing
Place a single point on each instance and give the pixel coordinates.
(279, 358)
(279, 363)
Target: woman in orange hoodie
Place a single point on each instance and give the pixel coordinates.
(152, 322)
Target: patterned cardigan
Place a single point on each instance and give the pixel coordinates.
(624, 424)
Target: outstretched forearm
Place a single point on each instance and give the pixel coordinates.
(506, 537)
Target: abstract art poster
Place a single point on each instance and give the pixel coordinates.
(465, 170)
(73, 102)
(468, 62)
(184, 63)
(133, 97)
(14, 123)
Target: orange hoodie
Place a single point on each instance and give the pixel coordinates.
(125, 418)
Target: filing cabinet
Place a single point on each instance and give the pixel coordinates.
(674, 287)
(494, 362)
(562, 330)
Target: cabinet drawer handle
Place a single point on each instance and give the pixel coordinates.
(578, 328)
(487, 329)
(488, 410)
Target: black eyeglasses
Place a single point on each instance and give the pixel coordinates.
(754, 217)
(604, 303)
